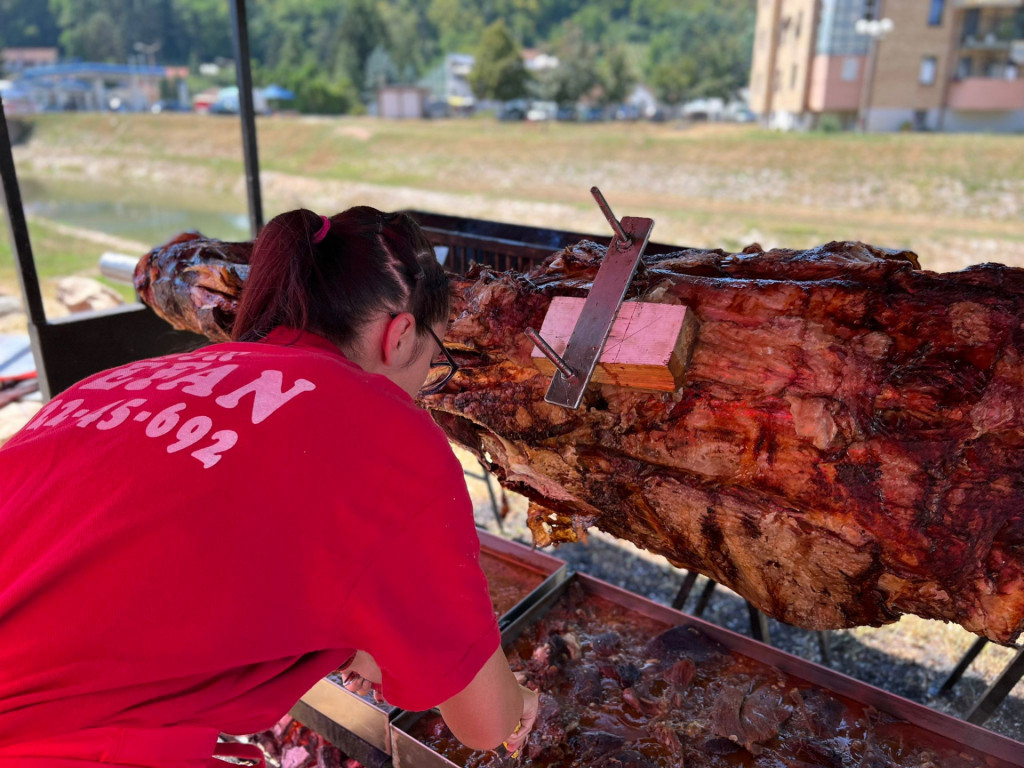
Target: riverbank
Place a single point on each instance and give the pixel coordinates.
(954, 199)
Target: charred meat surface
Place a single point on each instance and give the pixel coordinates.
(694, 703)
(848, 445)
(194, 283)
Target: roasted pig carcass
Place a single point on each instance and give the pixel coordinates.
(194, 283)
(848, 444)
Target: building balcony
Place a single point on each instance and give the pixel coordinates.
(992, 41)
(986, 94)
(988, 3)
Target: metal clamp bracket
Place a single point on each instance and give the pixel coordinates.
(575, 366)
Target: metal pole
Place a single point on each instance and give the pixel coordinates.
(549, 352)
(865, 91)
(18, 228)
(243, 72)
(623, 241)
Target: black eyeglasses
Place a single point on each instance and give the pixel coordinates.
(441, 371)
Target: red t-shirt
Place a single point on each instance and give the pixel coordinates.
(194, 540)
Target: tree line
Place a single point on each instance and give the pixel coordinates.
(334, 53)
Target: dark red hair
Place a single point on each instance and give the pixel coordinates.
(367, 262)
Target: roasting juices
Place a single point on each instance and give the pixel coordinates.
(507, 582)
(621, 690)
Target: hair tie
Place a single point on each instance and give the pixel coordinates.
(319, 236)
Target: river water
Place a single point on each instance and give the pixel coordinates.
(131, 212)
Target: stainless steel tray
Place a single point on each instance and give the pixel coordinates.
(359, 715)
(1000, 752)
(552, 569)
(370, 721)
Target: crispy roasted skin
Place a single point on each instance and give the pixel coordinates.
(194, 283)
(848, 445)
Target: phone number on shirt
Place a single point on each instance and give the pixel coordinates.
(186, 434)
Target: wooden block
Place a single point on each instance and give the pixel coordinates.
(648, 348)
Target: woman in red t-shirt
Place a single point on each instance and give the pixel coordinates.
(405, 280)
(191, 542)
(388, 312)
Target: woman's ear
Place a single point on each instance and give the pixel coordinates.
(399, 340)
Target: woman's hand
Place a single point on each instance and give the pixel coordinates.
(531, 700)
(361, 675)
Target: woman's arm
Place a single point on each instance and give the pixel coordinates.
(489, 710)
(364, 665)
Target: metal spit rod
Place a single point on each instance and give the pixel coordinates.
(118, 266)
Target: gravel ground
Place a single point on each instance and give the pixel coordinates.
(907, 658)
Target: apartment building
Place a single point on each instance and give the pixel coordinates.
(953, 65)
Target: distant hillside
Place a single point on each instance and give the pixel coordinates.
(337, 51)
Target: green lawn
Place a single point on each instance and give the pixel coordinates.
(56, 254)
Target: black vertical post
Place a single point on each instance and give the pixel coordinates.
(19, 228)
(27, 275)
(248, 114)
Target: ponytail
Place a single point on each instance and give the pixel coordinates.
(330, 275)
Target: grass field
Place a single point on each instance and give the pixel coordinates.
(955, 199)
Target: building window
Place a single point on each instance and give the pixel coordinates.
(836, 34)
(850, 67)
(799, 24)
(928, 66)
(792, 78)
(971, 19)
(965, 67)
(935, 14)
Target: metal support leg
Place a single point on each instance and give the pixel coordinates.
(684, 590)
(987, 704)
(758, 624)
(960, 668)
(823, 649)
(486, 477)
(704, 599)
(494, 500)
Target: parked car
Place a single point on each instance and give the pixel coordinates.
(513, 110)
(627, 112)
(744, 115)
(592, 114)
(542, 110)
(169, 105)
(224, 108)
(566, 114)
(436, 109)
